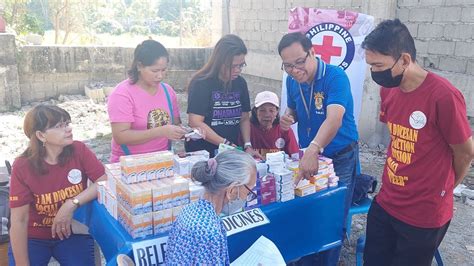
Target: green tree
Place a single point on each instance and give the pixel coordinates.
(169, 10)
(14, 10)
(107, 25)
(68, 16)
(19, 16)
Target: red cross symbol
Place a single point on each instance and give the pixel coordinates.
(326, 50)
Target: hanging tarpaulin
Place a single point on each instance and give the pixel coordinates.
(336, 36)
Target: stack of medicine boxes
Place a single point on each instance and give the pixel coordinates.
(147, 194)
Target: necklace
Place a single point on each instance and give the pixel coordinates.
(306, 106)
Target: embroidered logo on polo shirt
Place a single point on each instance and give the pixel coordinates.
(417, 120)
(318, 100)
(74, 176)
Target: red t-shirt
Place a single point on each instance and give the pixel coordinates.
(46, 193)
(418, 176)
(273, 140)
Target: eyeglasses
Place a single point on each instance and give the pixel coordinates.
(239, 66)
(251, 196)
(299, 64)
(61, 125)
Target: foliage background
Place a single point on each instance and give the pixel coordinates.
(110, 22)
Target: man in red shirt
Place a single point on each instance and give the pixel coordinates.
(429, 154)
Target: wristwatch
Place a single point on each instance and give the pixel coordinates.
(76, 202)
(247, 145)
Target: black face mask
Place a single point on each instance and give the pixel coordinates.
(384, 78)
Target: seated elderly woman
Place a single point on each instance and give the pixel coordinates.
(48, 183)
(198, 235)
(265, 133)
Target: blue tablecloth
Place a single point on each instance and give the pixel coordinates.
(298, 227)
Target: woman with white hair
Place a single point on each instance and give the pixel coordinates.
(198, 235)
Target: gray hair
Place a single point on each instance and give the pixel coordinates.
(233, 167)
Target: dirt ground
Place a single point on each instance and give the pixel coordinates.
(458, 244)
(90, 124)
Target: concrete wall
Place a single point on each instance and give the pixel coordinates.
(445, 45)
(9, 91)
(262, 23)
(48, 71)
(444, 36)
(444, 42)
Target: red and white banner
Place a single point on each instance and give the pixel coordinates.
(336, 37)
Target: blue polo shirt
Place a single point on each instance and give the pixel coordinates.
(331, 86)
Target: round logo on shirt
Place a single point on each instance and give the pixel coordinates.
(280, 143)
(417, 120)
(74, 176)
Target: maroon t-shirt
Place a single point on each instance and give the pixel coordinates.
(273, 140)
(46, 193)
(418, 176)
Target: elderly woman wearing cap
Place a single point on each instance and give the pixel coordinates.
(265, 133)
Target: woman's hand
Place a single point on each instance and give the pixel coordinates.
(201, 134)
(173, 132)
(254, 153)
(202, 131)
(62, 221)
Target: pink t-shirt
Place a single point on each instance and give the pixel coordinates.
(129, 103)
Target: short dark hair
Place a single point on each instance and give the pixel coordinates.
(391, 37)
(290, 38)
(146, 53)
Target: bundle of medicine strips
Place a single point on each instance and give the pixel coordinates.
(149, 206)
(286, 171)
(284, 183)
(324, 178)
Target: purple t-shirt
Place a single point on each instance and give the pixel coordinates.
(129, 103)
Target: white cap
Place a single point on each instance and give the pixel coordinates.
(267, 97)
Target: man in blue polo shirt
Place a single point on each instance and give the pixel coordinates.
(320, 100)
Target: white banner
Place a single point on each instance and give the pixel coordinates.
(150, 252)
(336, 37)
(245, 220)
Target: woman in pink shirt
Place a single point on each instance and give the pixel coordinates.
(144, 111)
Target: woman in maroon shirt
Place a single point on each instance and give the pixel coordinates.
(265, 133)
(48, 183)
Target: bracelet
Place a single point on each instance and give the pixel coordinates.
(320, 148)
(227, 142)
(247, 144)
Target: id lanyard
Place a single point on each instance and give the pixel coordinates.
(306, 107)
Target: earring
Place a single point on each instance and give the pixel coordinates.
(44, 143)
